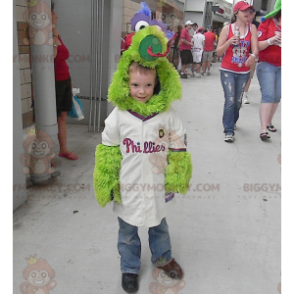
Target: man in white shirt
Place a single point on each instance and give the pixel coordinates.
(198, 41)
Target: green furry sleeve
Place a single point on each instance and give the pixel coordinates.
(106, 174)
(178, 172)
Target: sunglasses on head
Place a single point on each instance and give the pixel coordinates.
(251, 10)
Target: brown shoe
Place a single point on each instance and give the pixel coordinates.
(173, 270)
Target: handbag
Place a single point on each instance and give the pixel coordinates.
(76, 109)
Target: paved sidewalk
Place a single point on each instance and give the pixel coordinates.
(225, 232)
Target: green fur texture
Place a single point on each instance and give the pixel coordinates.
(178, 172)
(106, 174)
(171, 88)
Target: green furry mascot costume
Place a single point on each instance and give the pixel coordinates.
(143, 152)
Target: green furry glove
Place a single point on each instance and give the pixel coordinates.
(178, 172)
(106, 174)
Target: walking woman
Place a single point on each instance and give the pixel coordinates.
(63, 88)
(269, 68)
(235, 41)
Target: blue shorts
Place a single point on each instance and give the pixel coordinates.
(269, 77)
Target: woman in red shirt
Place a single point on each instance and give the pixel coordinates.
(268, 69)
(63, 87)
(236, 62)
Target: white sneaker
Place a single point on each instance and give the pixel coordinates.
(188, 72)
(198, 75)
(229, 138)
(245, 99)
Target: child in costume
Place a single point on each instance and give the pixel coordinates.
(142, 160)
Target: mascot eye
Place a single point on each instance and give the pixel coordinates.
(43, 145)
(162, 274)
(44, 16)
(33, 275)
(34, 146)
(43, 275)
(33, 16)
(163, 16)
(141, 25)
(173, 16)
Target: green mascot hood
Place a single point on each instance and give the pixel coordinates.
(148, 48)
(277, 8)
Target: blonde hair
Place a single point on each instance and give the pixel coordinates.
(136, 67)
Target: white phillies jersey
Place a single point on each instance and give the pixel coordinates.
(144, 143)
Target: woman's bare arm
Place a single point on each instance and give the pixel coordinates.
(223, 43)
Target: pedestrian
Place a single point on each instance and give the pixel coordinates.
(177, 39)
(122, 45)
(214, 57)
(208, 50)
(195, 28)
(235, 41)
(143, 145)
(198, 41)
(185, 48)
(176, 53)
(269, 68)
(169, 33)
(63, 88)
(251, 20)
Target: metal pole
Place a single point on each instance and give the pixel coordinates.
(43, 79)
(91, 66)
(100, 74)
(97, 48)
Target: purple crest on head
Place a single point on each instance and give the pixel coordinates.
(138, 17)
(145, 9)
(144, 14)
(155, 22)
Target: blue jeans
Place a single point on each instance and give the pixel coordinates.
(129, 246)
(269, 77)
(233, 86)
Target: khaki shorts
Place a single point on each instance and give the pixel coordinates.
(207, 56)
(252, 69)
